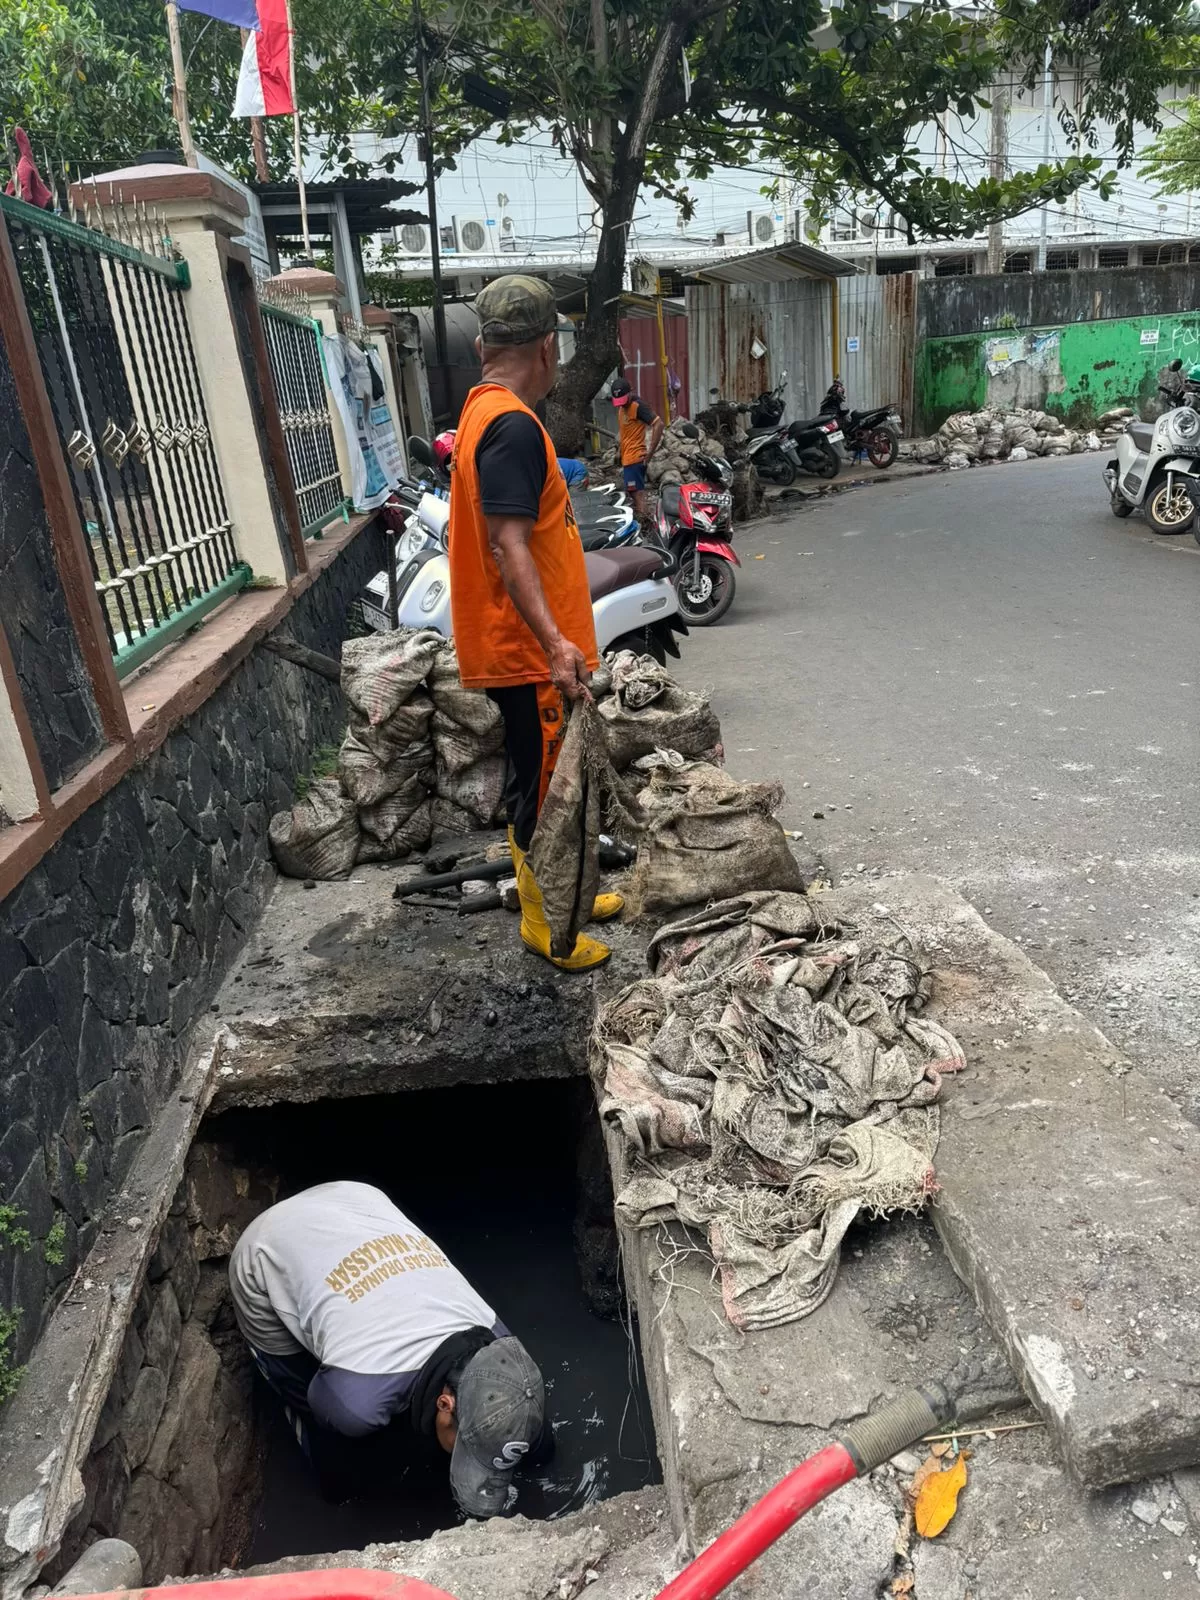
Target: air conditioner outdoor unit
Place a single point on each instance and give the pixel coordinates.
(508, 234)
(471, 235)
(764, 228)
(413, 239)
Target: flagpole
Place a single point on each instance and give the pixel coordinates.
(179, 96)
(300, 183)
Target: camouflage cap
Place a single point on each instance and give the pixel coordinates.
(516, 310)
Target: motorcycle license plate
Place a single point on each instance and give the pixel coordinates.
(374, 618)
(835, 438)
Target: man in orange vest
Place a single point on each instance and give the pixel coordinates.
(634, 448)
(519, 595)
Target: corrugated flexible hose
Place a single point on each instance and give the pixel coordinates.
(866, 1444)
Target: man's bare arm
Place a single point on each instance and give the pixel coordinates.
(509, 541)
(656, 433)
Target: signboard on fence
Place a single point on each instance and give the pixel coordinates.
(356, 383)
(852, 345)
(1149, 335)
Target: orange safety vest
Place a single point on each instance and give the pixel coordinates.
(495, 645)
(632, 433)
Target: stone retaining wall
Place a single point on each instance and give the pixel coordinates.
(119, 937)
(175, 1462)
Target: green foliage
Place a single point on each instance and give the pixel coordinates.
(10, 1376)
(324, 765)
(1173, 160)
(12, 1233)
(54, 1248)
(74, 86)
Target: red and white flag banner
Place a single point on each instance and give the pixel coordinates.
(266, 83)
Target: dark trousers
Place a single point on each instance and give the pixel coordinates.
(533, 732)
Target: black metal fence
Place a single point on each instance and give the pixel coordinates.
(117, 357)
(298, 367)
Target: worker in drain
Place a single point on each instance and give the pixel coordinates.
(519, 591)
(355, 1317)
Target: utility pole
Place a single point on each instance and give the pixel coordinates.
(258, 137)
(1047, 105)
(435, 255)
(997, 164)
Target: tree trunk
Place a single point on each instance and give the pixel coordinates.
(597, 351)
(568, 410)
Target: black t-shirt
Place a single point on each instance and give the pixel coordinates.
(511, 462)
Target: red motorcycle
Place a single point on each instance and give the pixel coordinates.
(695, 523)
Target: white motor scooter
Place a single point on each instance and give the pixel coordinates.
(634, 602)
(1151, 469)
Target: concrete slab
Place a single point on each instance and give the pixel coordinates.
(1023, 1532)
(617, 1549)
(343, 990)
(1069, 1199)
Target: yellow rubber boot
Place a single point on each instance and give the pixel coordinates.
(604, 907)
(535, 930)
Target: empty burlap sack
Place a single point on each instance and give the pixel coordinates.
(706, 837)
(647, 711)
(565, 854)
(318, 837)
(774, 1079)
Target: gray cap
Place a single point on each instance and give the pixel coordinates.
(516, 310)
(501, 1410)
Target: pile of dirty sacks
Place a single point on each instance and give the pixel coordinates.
(422, 759)
(969, 437)
(774, 1078)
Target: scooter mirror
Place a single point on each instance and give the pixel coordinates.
(419, 450)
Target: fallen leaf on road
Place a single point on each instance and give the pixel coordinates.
(760, 558)
(938, 1499)
(903, 1584)
(942, 1448)
(928, 1467)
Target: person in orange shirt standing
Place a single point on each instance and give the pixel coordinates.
(519, 595)
(634, 448)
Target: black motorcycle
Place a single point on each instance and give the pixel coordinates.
(871, 432)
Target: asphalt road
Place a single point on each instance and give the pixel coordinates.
(986, 676)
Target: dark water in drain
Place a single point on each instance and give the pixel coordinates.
(491, 1174)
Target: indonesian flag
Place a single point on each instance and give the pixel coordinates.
(266, 85)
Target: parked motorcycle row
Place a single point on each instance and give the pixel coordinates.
(648, 585)
(816, 445)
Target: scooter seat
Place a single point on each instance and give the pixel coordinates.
(1142, 434)
(669, 499)
(611, 570)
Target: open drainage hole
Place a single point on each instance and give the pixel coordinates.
(512, 1184)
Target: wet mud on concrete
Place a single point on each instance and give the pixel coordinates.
(492, 1175)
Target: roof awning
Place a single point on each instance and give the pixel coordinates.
(778, 264)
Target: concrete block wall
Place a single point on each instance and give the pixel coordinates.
(118, 938)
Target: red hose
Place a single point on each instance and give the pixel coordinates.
(730, 1554)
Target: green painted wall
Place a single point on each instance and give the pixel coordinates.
(1078, 370)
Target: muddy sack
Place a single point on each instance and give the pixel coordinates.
(318, 837)
(468, 745)
(565, 852)
(706, 837)
(646, 710)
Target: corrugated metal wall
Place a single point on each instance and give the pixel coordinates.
(881, 314)
(793, 321)
(790, 319)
